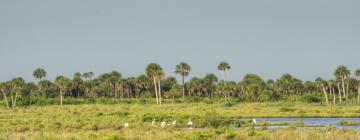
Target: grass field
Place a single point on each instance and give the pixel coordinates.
(211, 121)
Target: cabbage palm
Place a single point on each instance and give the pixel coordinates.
(87, 87)
(183, 69)
(2, 90)
(210, 83)
(17, 87)
(322, 84)
(39, 73)
(111, 79)
(31, 87)
(64, 85)
(342, 73)
(142, 84)
(155, 72)
(77, 81)
(224, 66)
(331, 85)
(357, 75)
(45, 85)
(88, 75)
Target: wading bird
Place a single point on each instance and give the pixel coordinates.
(163, 124)
(126, 125)
(190, 123)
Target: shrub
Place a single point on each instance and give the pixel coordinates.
(348, 123)
(286, 109)
(120, 113)
(309, 98)
(299, 123)
(201, 135)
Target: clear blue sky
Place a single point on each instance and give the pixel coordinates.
(306, 38)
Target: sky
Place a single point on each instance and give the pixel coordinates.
(307, 38)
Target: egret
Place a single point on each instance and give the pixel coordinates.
(174, 122)
(163, 124)
(254, 121)
(153, 122)
(126, 125)
(190, 123)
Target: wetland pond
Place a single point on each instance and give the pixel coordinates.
(306, 123)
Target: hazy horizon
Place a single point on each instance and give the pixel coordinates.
(307, 39)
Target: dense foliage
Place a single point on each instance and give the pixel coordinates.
(154, 83)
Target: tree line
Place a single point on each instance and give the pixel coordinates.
(154, 83)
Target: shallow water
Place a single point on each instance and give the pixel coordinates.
(318, 122)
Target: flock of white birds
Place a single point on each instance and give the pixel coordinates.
(163, 124)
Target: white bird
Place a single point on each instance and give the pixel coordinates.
(254, 121)
(163, 124)
(190, 123)
(174, 122)
(153, 122)
(126, 125)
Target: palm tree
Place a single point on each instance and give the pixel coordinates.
(224, 66)
(331, 86)
(45, 85)
(342, 72)
(31, 87)
(2, 89)
(155, 72)
(77, 81)
(64, 85)
(337, 80)
(322, 84)
(173, 92)
(88, 76)
(17, 87)
(210, 83)
(183, 69)
(87, 87)
(113, 80)
(142, 84)
(357, 75)
(39, 73)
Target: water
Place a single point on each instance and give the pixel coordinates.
(317, 122)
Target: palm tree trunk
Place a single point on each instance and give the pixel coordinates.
(156, 91)
(358, 98)
(159, 88)
(183, 87)
(12, 100)
(114, 86)
(228, 99)
(347, 89)
(14, 103)
(326, 97)
(339, 91)
(225, 79)
(61, 98)
(334, 101)
(6, 101)
(343, 86)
